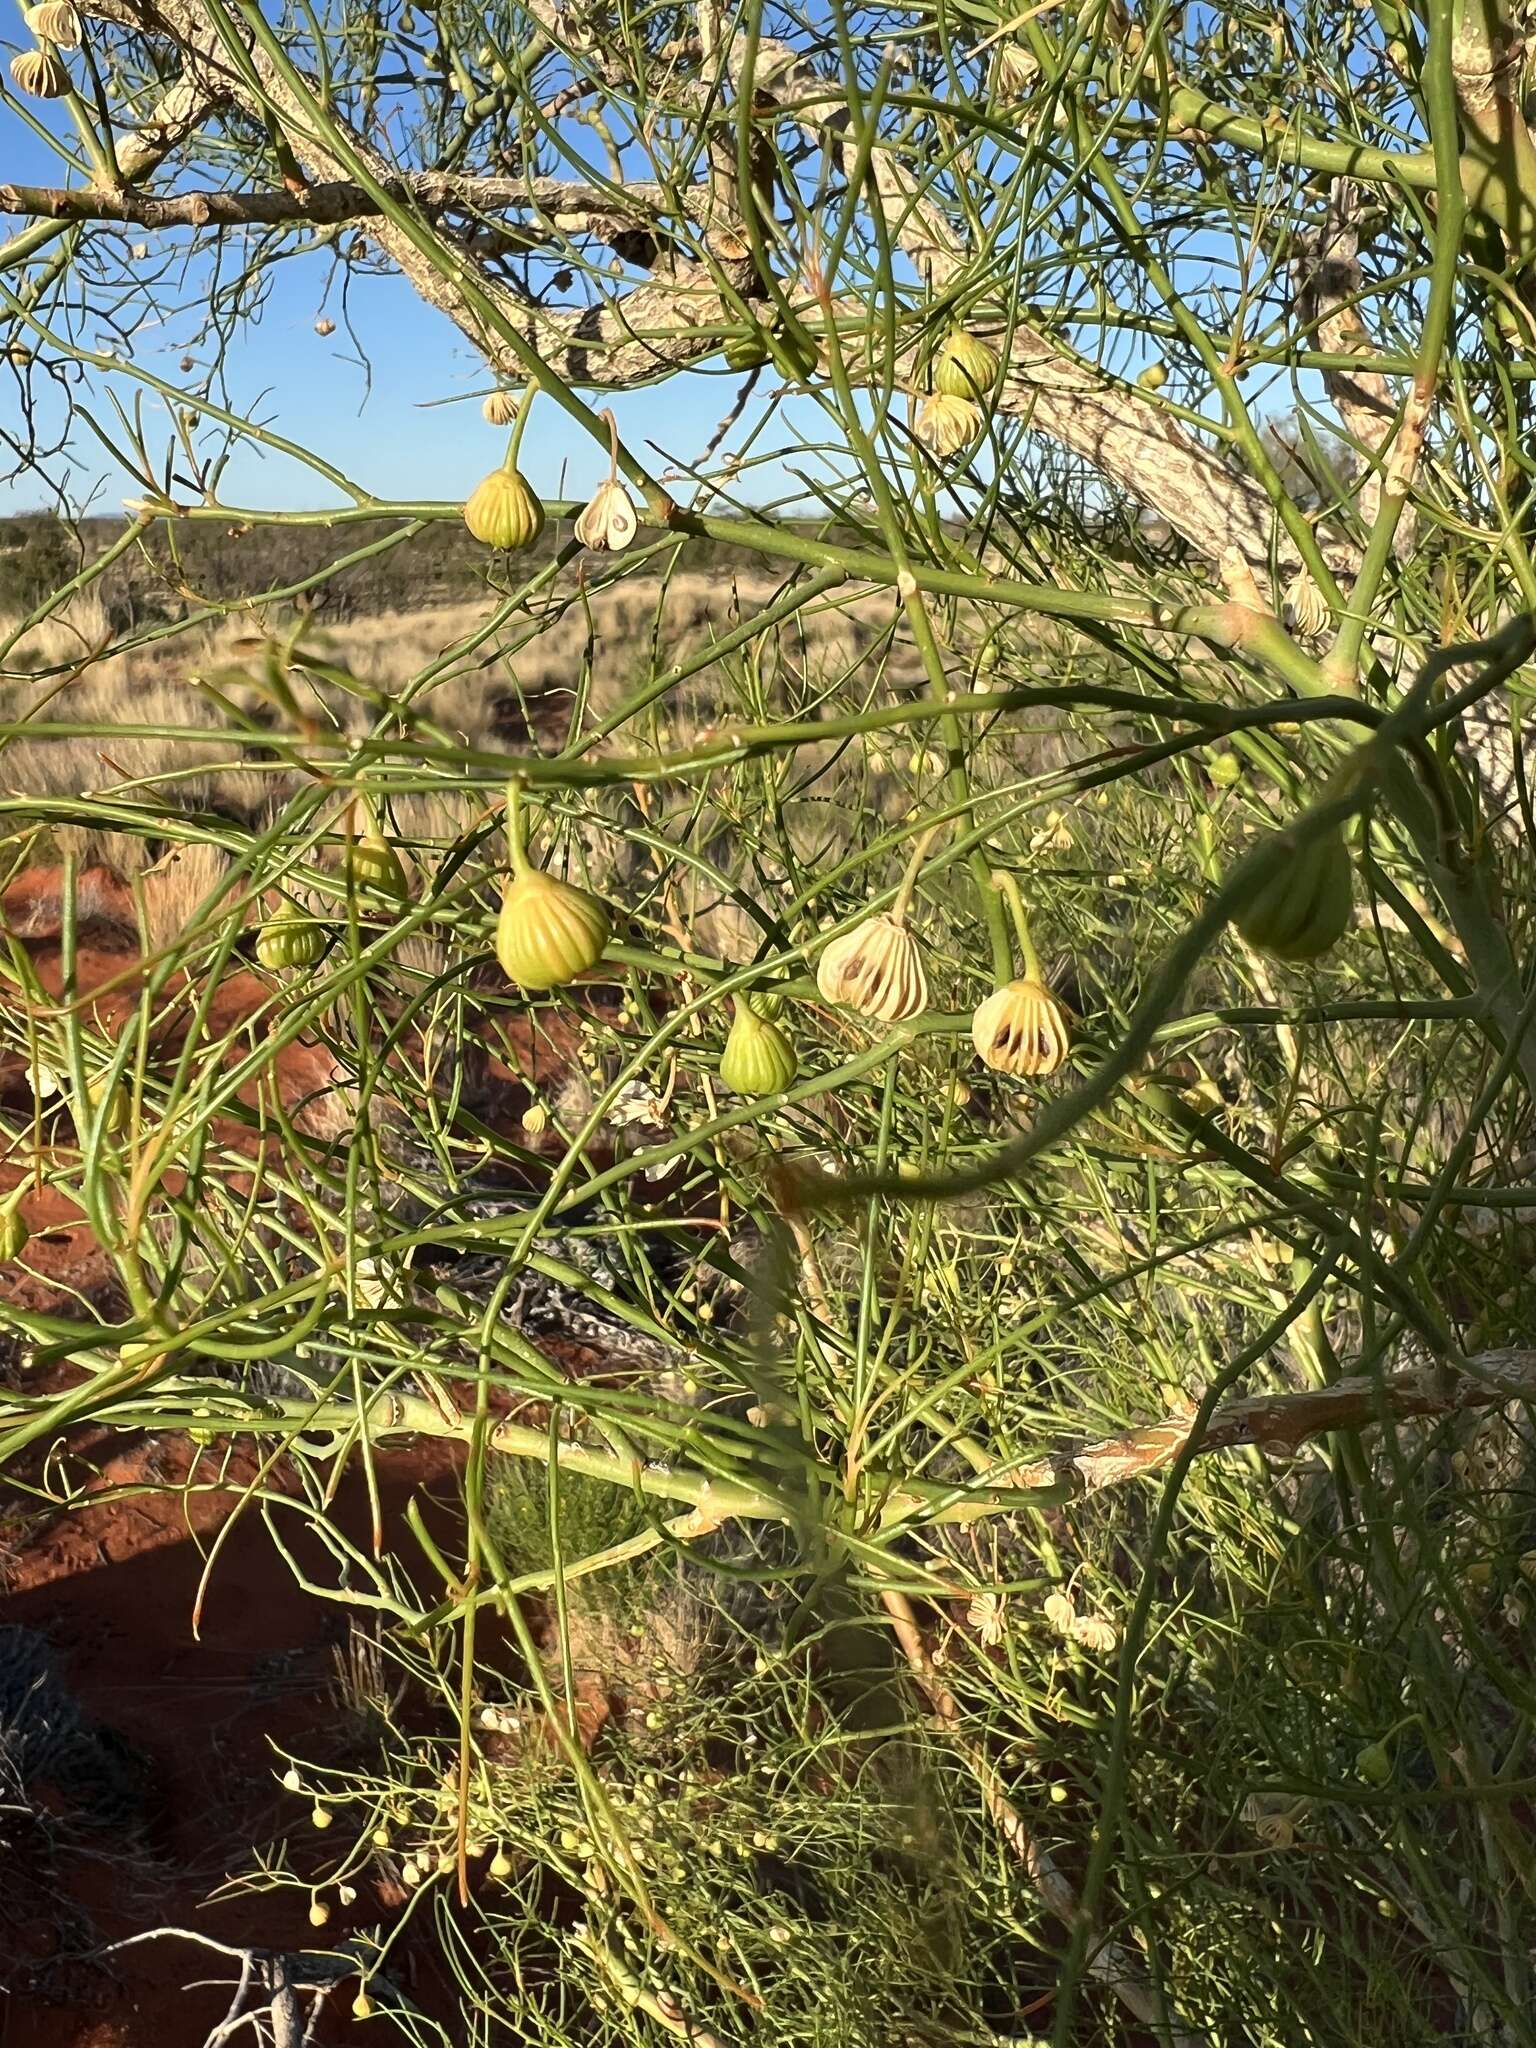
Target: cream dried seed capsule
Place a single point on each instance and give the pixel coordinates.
(607, 524)
(40, 75)
(500, 408)
(946, 424)
(1021, 1029)
(876, 969)
(54, 21)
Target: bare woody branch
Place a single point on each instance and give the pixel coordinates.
(564, 206)
(1282, 1425)
(671, 319)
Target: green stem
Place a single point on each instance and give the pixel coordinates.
(1008, 885)
(517, 838)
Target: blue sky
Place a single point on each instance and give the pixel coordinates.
(410, 430)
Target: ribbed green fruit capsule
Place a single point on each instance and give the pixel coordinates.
(14, 1234)
(793, 352)
(372, 864)
(965, 367)
(1374, 1764)
(758, 1057)
(548, 931)
(504, 512)
(290, 940)
(1304, 908)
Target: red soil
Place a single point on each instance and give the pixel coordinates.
(113, 1584)
(113, 1587)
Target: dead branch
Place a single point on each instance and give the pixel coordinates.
(1282, 1425)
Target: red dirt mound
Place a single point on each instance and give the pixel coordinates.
(112, 1586)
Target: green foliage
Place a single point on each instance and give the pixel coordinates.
(1014, 1515)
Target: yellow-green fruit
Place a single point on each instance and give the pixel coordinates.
(503, 512)
(758, 1058)
(1374, 1764)
(1303, 909)
(372, 863)
(1153, 377)
(290, 940)
(965, 367)
(13, 1232)
(1225, 769)
(793, 353)
(109, 1101)
(548, 931)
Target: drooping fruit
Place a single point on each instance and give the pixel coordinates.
(548, 931)
(1021, 1029)
(792, 352)
(373, 865)
(40, 75)
(876, 969)
(504, 512)
(758, 1057)
(290, 940)
(965, 368)
(14, 1234)
(1304, 908)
